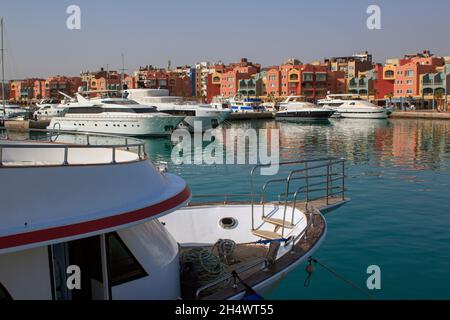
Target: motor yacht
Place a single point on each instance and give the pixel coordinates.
(353, 106)
(118, 227)
(114, 115)
(206, 114)
(295, 108)
(239, 104)
(49, 108)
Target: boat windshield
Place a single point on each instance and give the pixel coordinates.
(98, 110)
(120, 102)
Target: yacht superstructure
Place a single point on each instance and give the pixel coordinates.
(205, 114)
(239, 104)
(49, 108)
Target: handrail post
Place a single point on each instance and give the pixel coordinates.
(1, 156)
(113, 155)
(66, 155)
(307, 185)
(126, 144)
(328, 182)
(87, 140)
(343, 180)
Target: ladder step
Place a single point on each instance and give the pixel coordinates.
(268, 235)
(279, 223)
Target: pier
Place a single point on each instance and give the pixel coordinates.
(420, 115)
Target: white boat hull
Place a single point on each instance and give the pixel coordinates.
(379, 114)
(129, 126)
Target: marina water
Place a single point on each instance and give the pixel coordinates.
(399, 215)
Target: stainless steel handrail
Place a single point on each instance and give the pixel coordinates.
(229, 276)
(50, 144)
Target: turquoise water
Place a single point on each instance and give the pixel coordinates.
(399, 216)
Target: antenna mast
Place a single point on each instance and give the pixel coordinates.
(123, 75)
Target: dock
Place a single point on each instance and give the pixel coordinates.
(26, 124)
(421, 115)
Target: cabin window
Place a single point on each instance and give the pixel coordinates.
(4, 295)
(123, 266)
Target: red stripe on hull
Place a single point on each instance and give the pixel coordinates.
(94, 225)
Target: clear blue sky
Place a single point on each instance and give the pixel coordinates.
(188, 31)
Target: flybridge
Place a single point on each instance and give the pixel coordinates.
(103, 183)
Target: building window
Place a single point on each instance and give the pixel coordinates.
(409, 91)
(4, 294)
(409, 73)
(409, 82)
(123, 266)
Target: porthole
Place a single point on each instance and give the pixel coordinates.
(228, 223)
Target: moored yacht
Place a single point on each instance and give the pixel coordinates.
(295, 108)
(239, 104)
(117, 227)
(205, 114)
(48, 108)
(353, 106)
(115, 116)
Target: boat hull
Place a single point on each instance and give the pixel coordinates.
(129, 126)
(296, 116)
(383, 114)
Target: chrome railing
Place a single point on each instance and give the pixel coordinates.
(51, 137)
(309, 176)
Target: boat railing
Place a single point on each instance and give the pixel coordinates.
(262, 263)
(318, 177)
(51, 139)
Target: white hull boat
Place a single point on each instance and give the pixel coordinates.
(114, 116)
(117, 227)
(353, 106)
(203, 114)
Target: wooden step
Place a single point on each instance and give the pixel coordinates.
(279, 223)
(268, 235)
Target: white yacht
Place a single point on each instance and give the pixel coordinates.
(117, 227)
(295, 108)
(353, 106)
(13, 111)
(115, 116)
(209, 116)
(49, 108)
(239, 104)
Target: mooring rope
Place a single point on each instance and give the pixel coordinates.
(310, 270)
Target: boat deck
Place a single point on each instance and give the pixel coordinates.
(248, 254)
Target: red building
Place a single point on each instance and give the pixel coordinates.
(177, 83)
(233, 73)
(384, 82)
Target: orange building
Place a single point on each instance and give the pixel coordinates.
(410, 70)
(233, 73)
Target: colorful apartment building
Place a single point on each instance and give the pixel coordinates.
(232, 74)
(351, 65)
(68, 85)
(311, 81)
(178, 84)
(409, 72)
